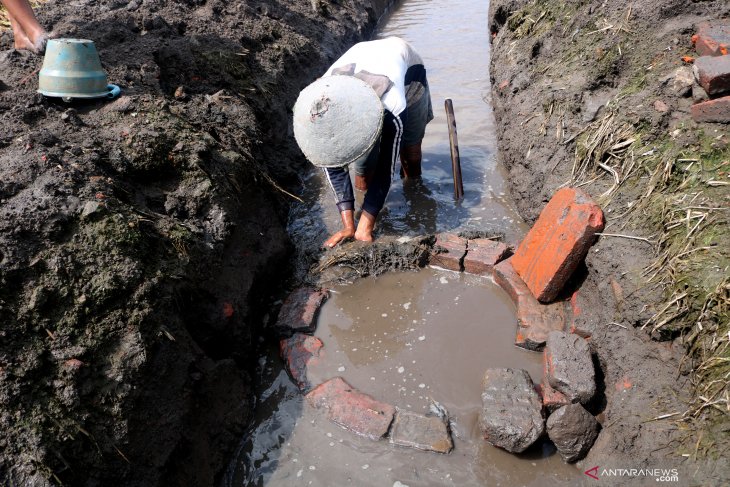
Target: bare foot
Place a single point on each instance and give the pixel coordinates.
(365, 226)
(24, 43)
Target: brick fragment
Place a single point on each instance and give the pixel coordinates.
(569, 366)
(717, 111)
(298, 352)
(573, 430)
(482, 255)
(415, 430)
(534, 319)
(713, 73)
(511, 415)
(449, 252)
(552, 399)
(558, 242)
(299, 311)
(713, 38)
(352, 409)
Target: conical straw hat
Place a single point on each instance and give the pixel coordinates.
(337, 120)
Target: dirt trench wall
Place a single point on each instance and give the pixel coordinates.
(138, 237)
(560, 73)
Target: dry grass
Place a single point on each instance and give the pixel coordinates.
(681, 196)
(605, 148)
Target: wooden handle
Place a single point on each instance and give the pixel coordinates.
(454, 143)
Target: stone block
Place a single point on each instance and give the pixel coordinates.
(534, 319)
(588, 309)
(573, 430)
(415, 430)
(482, 255)
(449, 251)
(352, 409)
(299, 311)
(681, 81)
(713, 38)
(558, 242)
(717, 111)
(298, 352)
(511, 415)
(569, 366)
(713, 74)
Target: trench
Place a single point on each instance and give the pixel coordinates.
(409, 338)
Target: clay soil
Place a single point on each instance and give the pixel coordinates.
(135, 235)
(141, 239)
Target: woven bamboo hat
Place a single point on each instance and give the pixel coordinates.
(337, 121)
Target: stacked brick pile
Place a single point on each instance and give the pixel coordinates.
(712, 70)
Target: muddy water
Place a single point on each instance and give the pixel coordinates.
(410, 338)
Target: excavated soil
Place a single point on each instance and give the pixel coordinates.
(136, 234)
(141, 239)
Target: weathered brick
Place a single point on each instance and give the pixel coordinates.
(415, 430)
(717, 111)
(482, 255)
(573, 430)
(534, 319)
(552, 399)
(299, 311)
(588, 309)
(507, 278)
(569, 366)
(511, 415)
(713, 38)
(299, 351)
(449, 252)
(713, 73)
(558, 242)
(352, 409)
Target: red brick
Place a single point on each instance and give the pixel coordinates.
(717, 110)
(351, 409)
(534, 319)
(299, 311)
(713, 38)
(449, 251)
(508, 279)
(552, 399)
(713, 73)
(558, 242)
(299, 351)
(482, 255)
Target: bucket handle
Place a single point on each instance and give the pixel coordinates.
(114, 91)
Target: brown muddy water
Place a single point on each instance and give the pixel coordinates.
(410, 338)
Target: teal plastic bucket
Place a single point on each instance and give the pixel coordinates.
(72, 69)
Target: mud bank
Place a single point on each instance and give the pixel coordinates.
(138, 237)
(566, 79)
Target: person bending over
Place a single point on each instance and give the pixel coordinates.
(368, 110)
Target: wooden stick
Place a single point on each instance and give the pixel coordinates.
(454, 143)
